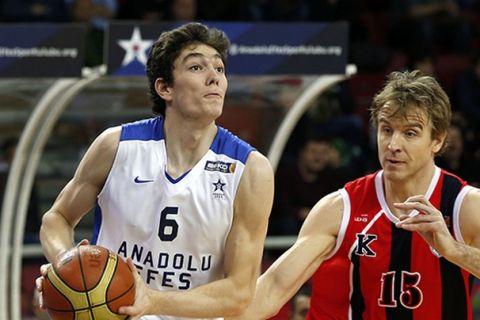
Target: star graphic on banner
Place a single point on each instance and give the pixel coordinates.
(135, 48)
(219, 185)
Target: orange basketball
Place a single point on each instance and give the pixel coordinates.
(88, 282)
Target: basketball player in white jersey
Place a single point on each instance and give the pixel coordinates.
(186, 201)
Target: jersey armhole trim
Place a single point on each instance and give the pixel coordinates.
(344, 223)
(114, 165)
(456, 213)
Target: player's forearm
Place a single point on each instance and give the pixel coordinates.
(267, 300)
(465, 256)
(266, 303)
(220, 298)
(286, 275)
(56, 235)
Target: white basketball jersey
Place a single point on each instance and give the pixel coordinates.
(174, 229)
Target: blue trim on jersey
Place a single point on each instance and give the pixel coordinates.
(230, 145)
(147, 129)
(172, 180)
(97, 223)
(225, 142)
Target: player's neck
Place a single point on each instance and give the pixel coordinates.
(186, 145)
(399, 190)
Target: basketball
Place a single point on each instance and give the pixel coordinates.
(88, 282)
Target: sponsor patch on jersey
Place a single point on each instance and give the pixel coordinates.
(362, 218)
(220, 166)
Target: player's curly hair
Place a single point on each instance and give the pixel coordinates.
(407, 88)
(169, 46)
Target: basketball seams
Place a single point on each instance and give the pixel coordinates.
(98, 293)
(54, 287)
(79, 301)
(80, 263)
(103, 311)
(123, 293)
(110, 283)
(132, 287)
(114, 299)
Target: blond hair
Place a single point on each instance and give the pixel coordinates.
(404, 89)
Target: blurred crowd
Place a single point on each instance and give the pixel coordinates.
(439, 37)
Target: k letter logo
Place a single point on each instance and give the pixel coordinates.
(363, 242)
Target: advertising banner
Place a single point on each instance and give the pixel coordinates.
(256, 48)
(41, 50)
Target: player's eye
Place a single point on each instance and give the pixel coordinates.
(196, 67)
(410, 133)
(386, 129)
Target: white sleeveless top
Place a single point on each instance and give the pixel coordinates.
(173, 229)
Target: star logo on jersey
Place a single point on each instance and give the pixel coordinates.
(135, 48)
(218, 191)
(219, 185)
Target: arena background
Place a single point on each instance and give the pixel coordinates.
(264, 97)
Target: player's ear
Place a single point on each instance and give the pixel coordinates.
(439, 141)
(163, 89)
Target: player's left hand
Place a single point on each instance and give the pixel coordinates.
(428, 221)
(143, 299)
(43, 274)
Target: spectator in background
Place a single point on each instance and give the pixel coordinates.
(145, 10)
(456, 160)
(34, 11)
(466, 98)
(334, 114)
(340, 10)
(451, 159)
(428, 24)
(220, 10)
(95, 14)
(183, 10)
(300, 184)
(300, 304)
(279, 10)
(423, 61)
(467, 93)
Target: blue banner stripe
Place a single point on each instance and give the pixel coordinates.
(257, 48)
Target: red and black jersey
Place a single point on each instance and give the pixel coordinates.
(381, 272)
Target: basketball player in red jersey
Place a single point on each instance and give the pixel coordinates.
(401, 243)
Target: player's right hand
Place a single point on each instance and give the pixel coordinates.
(143, 299)
(39, 284)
